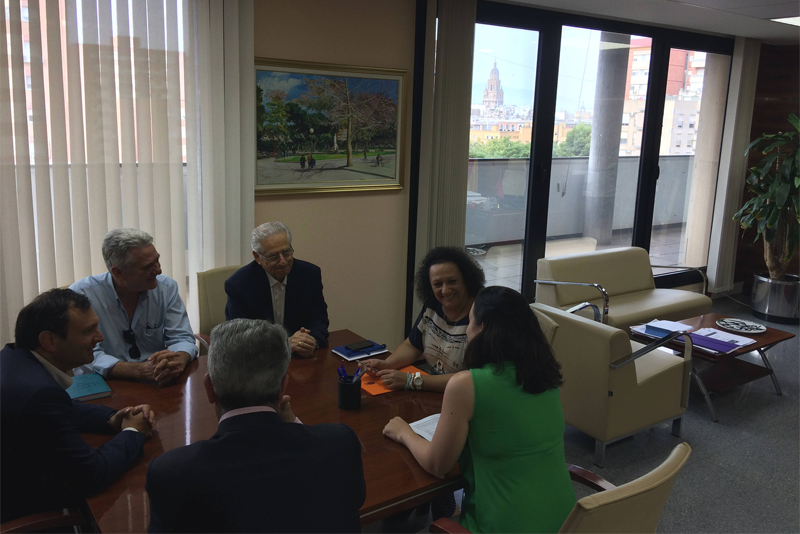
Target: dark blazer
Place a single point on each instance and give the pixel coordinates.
(45, 462)
(260, 474)
(250, 297)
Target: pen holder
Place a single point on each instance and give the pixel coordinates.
(349, 394)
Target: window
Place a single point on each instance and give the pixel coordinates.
(678, 142)
(626, 119)
(134, 150)
(680, 121)
(691, 121)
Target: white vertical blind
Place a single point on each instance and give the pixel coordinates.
(128, 119)
(65, 271)
(44, 205)
(26, 226)
(11, 293)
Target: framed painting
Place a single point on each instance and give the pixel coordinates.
(328, 128)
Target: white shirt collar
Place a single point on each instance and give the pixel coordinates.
(63, 379)
(273, 281)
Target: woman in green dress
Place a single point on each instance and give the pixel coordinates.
(502, 421)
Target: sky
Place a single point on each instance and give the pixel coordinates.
(516, 50)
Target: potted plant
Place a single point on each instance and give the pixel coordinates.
(774, 213)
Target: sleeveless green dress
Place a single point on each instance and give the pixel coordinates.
(513, 461)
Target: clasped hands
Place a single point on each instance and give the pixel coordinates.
(303, 343)
(391, 378)
(140, 417)
(164, 365)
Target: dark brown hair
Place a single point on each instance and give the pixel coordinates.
(511, 333)
(49, 312)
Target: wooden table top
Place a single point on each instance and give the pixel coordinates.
(395, 481)
(709, 320)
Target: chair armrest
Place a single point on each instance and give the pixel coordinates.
(589, 479)
(204, 340)
(598, 287)
(447, 526)
(53, 519)
(687, 352)
(676, 267)
(579, 307)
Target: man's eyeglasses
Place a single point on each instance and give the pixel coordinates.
(286, 254)
(129, 337)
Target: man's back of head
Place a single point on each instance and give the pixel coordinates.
(247, 361)
(262, 471)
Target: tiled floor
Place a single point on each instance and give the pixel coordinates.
(502, 264)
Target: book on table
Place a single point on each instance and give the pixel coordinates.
(358, 354)
(88, 387)
(708, 340)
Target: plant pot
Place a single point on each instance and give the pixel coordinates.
(775, 300)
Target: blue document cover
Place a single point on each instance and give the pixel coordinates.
(88, 387)
(351, 355)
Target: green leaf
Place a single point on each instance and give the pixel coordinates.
(770, 234)
(753, 144)
(795, 121)
(782, 195)
(765, 165)
(796, 163)
(762, 225)
(773, 218)
(786, 170)
(797, 179)
(796, 203)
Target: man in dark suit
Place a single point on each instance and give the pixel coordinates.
(45, 462)
(263, 471)
(279, 288)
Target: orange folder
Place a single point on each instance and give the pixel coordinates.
(374, 385)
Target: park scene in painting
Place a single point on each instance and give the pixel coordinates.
(318, 130)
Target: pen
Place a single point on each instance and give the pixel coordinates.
(368, 367)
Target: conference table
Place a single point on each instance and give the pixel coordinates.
(395, 481)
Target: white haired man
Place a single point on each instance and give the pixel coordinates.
(142, 317)
(263, 470)
(280, 288)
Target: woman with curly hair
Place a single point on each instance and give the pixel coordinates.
(502, 422)
(447, 281)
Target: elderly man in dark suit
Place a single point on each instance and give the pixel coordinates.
(280, 288)
(45, 462)
(263, 471)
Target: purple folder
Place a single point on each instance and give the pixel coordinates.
(701, 341)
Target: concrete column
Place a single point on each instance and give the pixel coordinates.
(609, 101)
(703, 183)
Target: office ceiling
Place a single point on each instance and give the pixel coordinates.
(746, 18)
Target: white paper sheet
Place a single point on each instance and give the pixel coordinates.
(426, 427)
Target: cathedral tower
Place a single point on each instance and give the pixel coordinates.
(493, 94)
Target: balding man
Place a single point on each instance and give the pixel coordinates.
(142, 317)
(278, 287)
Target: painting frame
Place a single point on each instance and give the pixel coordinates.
(311, 87)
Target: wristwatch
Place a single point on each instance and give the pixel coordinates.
(416, 382)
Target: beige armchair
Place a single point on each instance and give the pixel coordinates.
(211, 301)
(617, 282)
(632, 507)
(614, 387)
